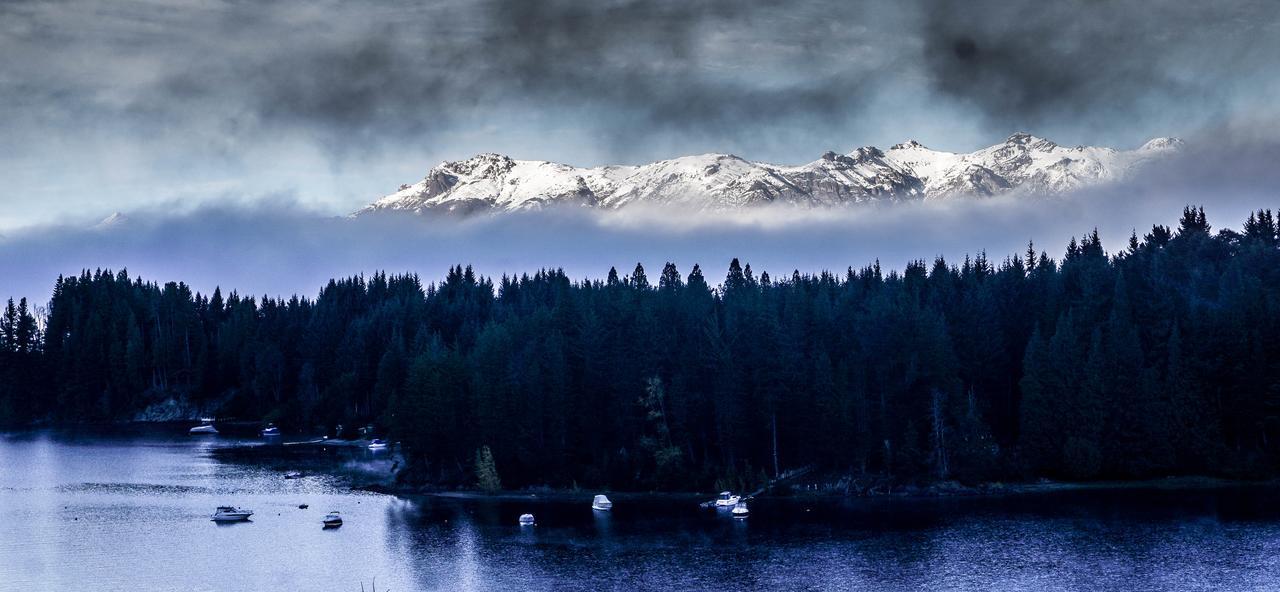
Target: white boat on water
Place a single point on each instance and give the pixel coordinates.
(231, 514)
(377, 444)
(332, 520)
(270, 430)
(526, 520)
(205, 427)
(293, 475)
(740, 510)
(601, 502)
(727, 500)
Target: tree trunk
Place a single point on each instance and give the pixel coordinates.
(775, 445)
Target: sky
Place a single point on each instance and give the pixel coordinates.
(200, 117)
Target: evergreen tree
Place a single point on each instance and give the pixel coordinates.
(1158, 360)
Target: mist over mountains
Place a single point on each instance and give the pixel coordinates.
(275, 244)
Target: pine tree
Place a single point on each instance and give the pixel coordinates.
(9, 328)
(487, 471)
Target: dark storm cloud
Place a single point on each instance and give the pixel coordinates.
(362, 74)
(114, 104)
(357, 72)
(383, 71)
(1099, 62)
(394, 71)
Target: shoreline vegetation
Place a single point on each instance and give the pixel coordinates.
(939, 490)
(827, 487)
(377, 479)
(1157, 359)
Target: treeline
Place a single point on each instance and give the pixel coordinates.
(1161, 359)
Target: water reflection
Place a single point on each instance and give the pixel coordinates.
(603, 523)
(128, 512)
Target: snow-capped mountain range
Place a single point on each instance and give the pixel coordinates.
(905, 172)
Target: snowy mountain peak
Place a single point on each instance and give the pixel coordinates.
(908, 171)
(866, 154)
(485, 164)
(1162, 144)
(1030, 141)
(909, 144)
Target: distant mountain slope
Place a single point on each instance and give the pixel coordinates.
(906, 172)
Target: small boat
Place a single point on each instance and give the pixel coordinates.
(293, 475)
(601, 502)
(303, 506)
(205, 427)
(332, 520)
(231, 514)
(377, 444)
(740, 510)
(270, 430)
(526, 520)
(727, 500)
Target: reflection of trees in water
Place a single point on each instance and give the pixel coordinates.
(1072, 542)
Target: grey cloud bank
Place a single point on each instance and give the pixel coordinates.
(115, 105)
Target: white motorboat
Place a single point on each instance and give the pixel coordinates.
(205, 427)
(727, 500)
(332, 520)
(526, 520)
(602, 503)
(293, 475)
(740, 510)
(270, 430)
(377, 444)
(231, 514)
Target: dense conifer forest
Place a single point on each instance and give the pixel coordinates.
(1162, 358)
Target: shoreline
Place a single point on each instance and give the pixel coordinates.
(984, 491)
(377, 481)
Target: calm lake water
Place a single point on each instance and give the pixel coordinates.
(130, 511)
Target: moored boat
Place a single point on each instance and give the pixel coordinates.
(205, 427)
(526, 520)
(602, 503)
(270, 430)
(332, 520)
(740, 510)
(230, 514)
(727, 500)
(377, 444)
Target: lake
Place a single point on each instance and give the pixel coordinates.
(129, 510)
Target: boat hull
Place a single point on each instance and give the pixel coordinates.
(231, 517)
(230, 514)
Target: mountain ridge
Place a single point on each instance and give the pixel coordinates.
(908, 171)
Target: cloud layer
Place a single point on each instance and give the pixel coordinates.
(113, 104)
(279, 248)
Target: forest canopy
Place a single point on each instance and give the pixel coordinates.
(1161, 358)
